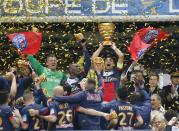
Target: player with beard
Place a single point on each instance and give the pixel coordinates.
(111, 74)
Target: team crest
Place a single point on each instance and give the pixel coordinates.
(20, 42)
(150, 36)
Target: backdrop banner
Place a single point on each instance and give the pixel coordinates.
(88, 10)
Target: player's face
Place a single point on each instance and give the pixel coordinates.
(155, 102)
(153, 81)
(109, 64)
(75, 69)
(51, 63)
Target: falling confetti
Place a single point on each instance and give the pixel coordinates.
(58, 38)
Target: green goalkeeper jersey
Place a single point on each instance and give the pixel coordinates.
(53, 77)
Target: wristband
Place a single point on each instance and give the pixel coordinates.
(120, 65)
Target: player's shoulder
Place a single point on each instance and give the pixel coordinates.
(5, 108)
(36, 106)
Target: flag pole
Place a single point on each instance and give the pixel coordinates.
(131, 66)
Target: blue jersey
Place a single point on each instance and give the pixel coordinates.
(106, 108)
(86, 99)
(127, 114)
(34, 123)
(125, 111)
(144, 109)
(64, 113)
(5, 116)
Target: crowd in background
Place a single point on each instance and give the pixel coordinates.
(94, 94)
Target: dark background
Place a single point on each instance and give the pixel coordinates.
(58, 38)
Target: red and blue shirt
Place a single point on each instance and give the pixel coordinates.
(110, 83)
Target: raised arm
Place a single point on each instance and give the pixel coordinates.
(38, 68)
(120, 56)
(97, 52)
(87, 60)
(13, 89)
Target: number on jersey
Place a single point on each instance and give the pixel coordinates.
(122, 118)
(65, 115)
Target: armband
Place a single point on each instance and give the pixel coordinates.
(120, 65)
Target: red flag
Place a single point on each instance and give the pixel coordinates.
(144, 39)
(26, 42)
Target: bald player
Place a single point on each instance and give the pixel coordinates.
(61, 114)
(62, 111)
